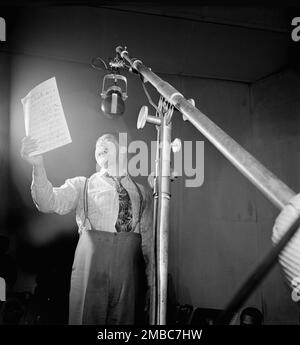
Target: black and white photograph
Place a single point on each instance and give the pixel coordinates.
(149, 166)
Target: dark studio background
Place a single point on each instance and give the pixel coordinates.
(241, 67)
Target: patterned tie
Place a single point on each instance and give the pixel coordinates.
(124, 221)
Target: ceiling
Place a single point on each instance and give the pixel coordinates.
(238, 43)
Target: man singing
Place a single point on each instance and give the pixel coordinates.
(112, 264)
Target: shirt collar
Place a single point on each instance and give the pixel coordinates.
(104, 172)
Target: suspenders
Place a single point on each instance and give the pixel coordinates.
(86, 204)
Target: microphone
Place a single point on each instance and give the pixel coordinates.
(114, 87)
(113, 97)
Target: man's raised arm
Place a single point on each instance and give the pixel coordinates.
(47, 198)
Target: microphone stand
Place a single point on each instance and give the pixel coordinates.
(154, 292)
(269, 184)
(164, 196)
(161, 193)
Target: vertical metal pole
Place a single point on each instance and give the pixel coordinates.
(153, 291)
(163, 219)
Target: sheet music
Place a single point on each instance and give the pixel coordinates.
(44, 117)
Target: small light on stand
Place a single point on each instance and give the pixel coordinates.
(113, 98)
(145, 117)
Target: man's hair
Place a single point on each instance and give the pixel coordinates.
(112, 137)
(254, 313)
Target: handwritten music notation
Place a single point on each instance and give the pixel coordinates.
(44, 117)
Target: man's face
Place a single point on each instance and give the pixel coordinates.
(106, 154)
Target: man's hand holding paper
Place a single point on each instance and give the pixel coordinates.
(29, 146)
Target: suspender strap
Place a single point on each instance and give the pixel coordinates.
(85, 199)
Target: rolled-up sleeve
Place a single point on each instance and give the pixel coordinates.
(49, 199)
(147, 234)
(289, 258)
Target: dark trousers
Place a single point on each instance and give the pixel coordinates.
(108, 280)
